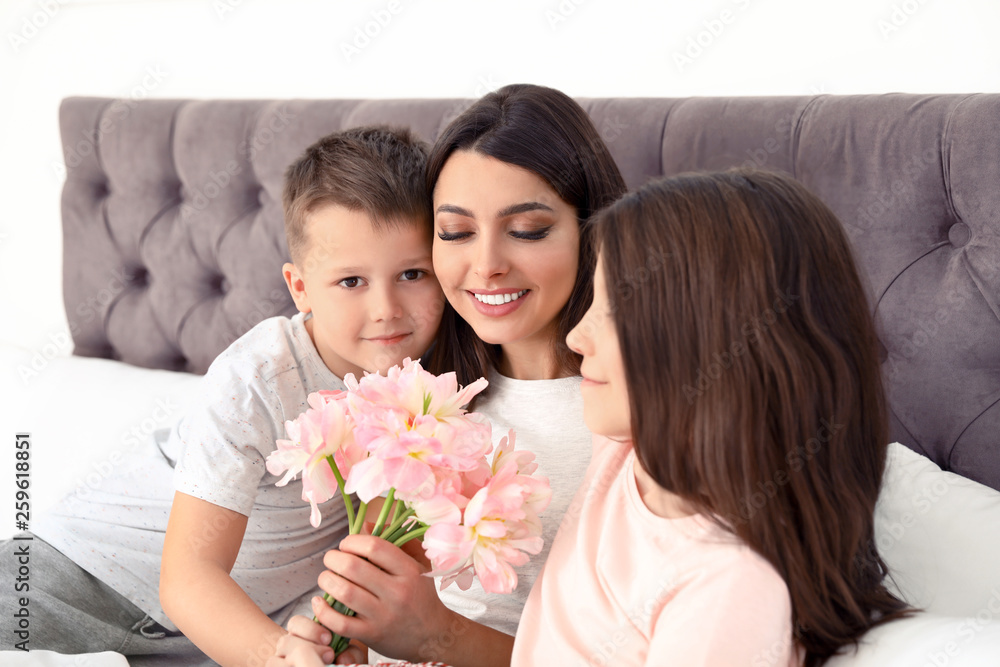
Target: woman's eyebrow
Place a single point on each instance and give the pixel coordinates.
(457, 210)
(505, 212)
(514, 209)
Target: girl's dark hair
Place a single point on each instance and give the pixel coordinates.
(548, 133)
(754, 385)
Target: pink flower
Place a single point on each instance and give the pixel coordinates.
(500, 526)
(536, 492)
(487, 544)
(322, 431)
(415, 392)
(413, 424)
(409, 431)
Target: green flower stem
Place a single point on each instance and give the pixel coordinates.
(360, 520)
(397, 523)
(412, 535)
(403, 530)
(340, 485)
(337, 642)
(390, 499)
(395, 511)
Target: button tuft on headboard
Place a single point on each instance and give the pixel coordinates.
(138, 276)
(218, 283)
(959, 234)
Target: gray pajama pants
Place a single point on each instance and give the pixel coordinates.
(70, 611)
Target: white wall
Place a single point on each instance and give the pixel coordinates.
(264, 48)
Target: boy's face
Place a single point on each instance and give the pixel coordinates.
(373, 294)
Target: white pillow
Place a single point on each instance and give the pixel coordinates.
(939, 533)
(83, 414)
(927, 640)
(35, 658)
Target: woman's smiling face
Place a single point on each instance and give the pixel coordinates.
(506, 252)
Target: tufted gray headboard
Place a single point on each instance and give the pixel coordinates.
(174, 239)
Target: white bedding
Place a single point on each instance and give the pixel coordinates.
(51, 659)
(940, 533)
(83, 414)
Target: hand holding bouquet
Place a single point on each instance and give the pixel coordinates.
(408, 436)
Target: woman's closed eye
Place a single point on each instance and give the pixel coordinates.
(531, 234)
(521, 234)
(453, 236)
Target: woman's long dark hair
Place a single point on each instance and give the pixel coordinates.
(754, 384)
(548, 133)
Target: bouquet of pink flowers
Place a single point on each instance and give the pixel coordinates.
(406, 435)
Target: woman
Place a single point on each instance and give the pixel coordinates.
(514, 179)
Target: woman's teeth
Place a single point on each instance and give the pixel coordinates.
(497, 299)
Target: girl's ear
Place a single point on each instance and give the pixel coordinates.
(296, 286)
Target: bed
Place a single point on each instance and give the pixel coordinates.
(173, 243)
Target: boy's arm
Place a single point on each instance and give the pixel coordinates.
(198, 594)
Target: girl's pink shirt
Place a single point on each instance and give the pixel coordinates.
(623, 586)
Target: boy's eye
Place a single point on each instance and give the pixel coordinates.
(350, 283)
(532, 235)
(452, 236)
(413, 274)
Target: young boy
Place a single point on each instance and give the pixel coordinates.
(237, 547)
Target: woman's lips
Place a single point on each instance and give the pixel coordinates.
(488, 302)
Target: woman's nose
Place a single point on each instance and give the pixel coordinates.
(490, 260)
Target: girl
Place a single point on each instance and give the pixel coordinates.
(731, 373)
(514, 178)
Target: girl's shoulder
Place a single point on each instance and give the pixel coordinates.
(728, 566)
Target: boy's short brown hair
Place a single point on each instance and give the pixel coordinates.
(376, 169)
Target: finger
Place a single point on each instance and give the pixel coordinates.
(308, 629)
(284, 646)
(275, 661)
(345, 591)
(289, 643)
(304, 656)
(353, 655)
(345, 626)
(356, 569)
(381, 553)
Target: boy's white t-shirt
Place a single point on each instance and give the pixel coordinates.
(219, 448)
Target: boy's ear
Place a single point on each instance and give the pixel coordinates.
(296, 287)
